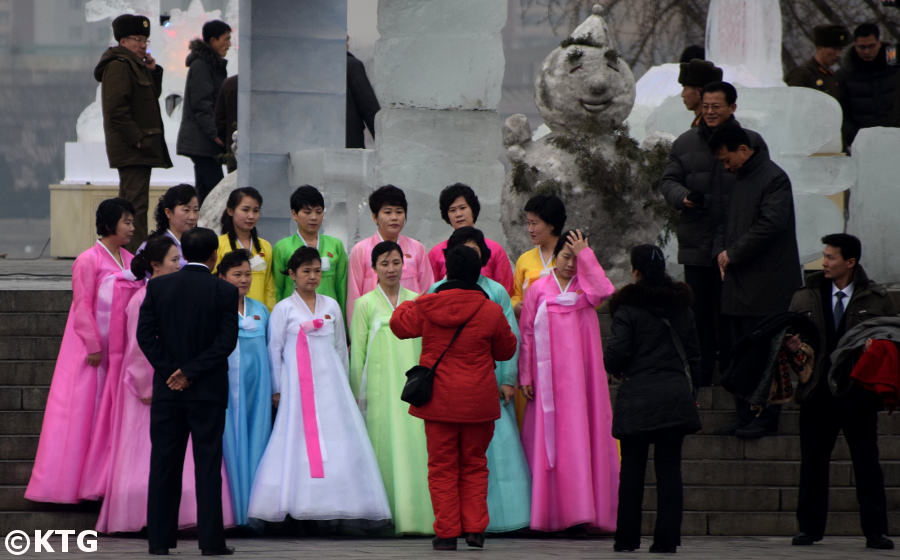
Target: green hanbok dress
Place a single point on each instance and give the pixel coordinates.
(509, 480)
(334, 267)
(378, 362)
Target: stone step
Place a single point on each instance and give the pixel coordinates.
(23, 398)
(27, 372)
(762, 498)
(20, 422)
(740, 472)
(32, 324)
(30, 301)
(773, 448)
(744, 523)
(30, 521)
(18, 447)
(788, 422)
(29, 347)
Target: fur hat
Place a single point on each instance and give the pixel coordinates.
(698, 73)
(836, 36)
(129, 24)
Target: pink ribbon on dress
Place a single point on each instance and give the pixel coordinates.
(544, 379)
(308, 400)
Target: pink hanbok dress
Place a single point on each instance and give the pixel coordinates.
(98, 302)
(417, 275)
(124, 508)
(497, 268)
(567, 429)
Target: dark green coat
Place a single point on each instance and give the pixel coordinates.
(869, 300)
(812, 75)
(131, 114)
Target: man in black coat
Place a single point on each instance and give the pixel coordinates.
(869, 85)
(361, 103)
(187, 329)
(696, 184)
(837, 299)
(756, 251)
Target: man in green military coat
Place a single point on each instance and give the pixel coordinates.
(816, 72)
(131, 83)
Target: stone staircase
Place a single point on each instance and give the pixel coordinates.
(732, 487)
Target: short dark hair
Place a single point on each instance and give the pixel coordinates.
(849, 245)
(651, 263)
(463, 264)
(154, 251)
(388, 195)
(108, 214)
(730, 136)
(549, 208)
(300, 257)
(231, 260)
(724, 87)
(561, 242)
(867, 29)
(454, 191)
(306, 196)
(468, 233)
(215, 28)
(385, 247)
(199, 244)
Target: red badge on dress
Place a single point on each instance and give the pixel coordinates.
(330, 256)
(256, 317)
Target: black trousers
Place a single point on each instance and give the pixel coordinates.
(822, 417)
(706, 283)
(170, 424)
(134, 186)
(734, 328)
(669, 498)
(207, 174)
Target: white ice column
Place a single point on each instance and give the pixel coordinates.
(437, 73)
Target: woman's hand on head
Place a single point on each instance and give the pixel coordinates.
(576, 241)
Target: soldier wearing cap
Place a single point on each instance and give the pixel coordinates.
(816, 72)
(131, 83)
(693, 76)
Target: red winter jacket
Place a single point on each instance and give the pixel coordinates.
(465, 388)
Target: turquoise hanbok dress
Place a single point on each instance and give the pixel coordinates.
(248, 419)
(509, 480)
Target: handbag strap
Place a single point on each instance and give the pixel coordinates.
(452, 340)
(681, 353)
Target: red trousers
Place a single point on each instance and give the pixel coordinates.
(458, 476)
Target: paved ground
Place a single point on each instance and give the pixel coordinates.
(20, 273)
(731, 548)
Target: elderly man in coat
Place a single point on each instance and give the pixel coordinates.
(130, 84)
(756, 251)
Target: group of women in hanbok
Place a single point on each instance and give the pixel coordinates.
(342, 444)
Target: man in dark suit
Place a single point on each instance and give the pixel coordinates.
(187, 329)
(837, 299)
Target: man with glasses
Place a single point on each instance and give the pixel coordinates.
(869, 83)
(697, 185)
(131, 83)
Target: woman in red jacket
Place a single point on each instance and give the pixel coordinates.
(459, 419)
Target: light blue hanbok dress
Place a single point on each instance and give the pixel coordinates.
(509, 480)
(248, 419)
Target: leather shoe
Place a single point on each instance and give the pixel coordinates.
(224, 551)
(880, 542)
(438, 543)
(475, 539)
(664, 549)
(159, 551)
(802, 539)
(623, 548)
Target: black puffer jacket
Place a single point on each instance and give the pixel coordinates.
(206, 72)
(692, 167)
(869, 93)
(759, 234)
(655, 393)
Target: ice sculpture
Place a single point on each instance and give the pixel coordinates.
(584, 92)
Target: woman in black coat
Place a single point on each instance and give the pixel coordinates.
(654, 349)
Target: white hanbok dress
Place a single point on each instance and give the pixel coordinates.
(337, 478)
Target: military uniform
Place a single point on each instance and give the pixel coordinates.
(813, 75)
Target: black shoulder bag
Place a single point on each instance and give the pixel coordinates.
(420, 379)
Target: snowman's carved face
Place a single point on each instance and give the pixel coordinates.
(582, 86)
